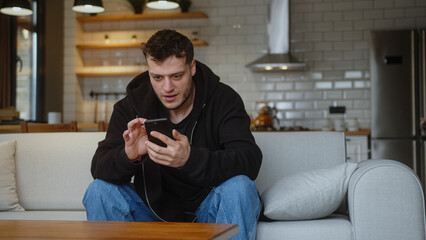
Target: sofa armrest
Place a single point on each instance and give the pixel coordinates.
(386, 201)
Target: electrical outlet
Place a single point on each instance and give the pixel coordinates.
(337, 109)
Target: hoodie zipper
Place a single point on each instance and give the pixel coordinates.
(193, 128)
(192, 133)
(146, 194)
(147, 199)
(144, 180)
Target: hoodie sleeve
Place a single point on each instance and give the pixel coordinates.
(110, 162)
(227, 124)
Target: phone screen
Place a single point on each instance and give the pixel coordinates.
(162, 125)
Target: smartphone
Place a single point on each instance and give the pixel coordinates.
(161, 125)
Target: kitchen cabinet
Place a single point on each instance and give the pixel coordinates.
(119, 46)
(356, 148)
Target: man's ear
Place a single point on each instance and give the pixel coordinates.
(193, 68)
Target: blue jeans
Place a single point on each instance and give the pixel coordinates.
(234, 201)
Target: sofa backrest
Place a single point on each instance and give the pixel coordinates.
(286, 153)
(56, 165)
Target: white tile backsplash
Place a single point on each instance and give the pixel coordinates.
(284, 86)
(314, 115)
(284, 105)
(304, 85)
(324, 85)
(294, 115)
(322, 7)
(294, 95)
(323, 105)
(343, 84)
(304, 105)
(361, 104)
(274, 96)
(313, 95)
(361, 84)
(355, 94)
(353, 74)
(333, 95)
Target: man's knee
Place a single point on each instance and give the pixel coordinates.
(99, 186)
(239, 185)
(103, 201)
(99, 189)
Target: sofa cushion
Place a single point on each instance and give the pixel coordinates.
(308, 195)
(286, 153)
(8, 195)
(56, 165)
(330, 228)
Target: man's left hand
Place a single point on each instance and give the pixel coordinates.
(174, 155)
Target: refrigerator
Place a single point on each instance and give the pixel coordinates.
(398, 100)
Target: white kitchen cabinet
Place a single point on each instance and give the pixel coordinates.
(356, 148)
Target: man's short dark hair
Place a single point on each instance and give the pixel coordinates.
(166, 43)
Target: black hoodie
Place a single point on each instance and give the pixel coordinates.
(222, 146)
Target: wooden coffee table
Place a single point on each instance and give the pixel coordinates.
(47, 229)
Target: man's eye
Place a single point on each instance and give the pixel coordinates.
(156, 77)
(177, 76)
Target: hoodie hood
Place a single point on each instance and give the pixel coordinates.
(278, 57)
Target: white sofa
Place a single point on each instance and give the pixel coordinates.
(384, 197)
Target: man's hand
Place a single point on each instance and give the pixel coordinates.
(174, 155)
(135, 137)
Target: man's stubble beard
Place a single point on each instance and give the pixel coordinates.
(184, 100)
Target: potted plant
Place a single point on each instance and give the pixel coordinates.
(185, 5)
(137, 5)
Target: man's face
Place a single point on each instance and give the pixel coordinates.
(172, 81)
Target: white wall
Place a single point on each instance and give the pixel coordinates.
(331, 36)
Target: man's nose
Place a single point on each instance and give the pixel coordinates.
(168, 85)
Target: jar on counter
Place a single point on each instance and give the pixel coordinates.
(353, 125)
(326, 124)
(339, 124)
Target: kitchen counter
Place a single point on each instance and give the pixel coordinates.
(82, 127)
(360, 132)
(10, 128)
(357, 143)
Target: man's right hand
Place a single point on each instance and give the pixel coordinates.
(135, 137)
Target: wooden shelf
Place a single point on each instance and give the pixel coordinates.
(141, 17)
(109, 45)
(126, 45)
(106, 74)
(126, 71)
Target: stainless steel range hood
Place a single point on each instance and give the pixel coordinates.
(278, 57)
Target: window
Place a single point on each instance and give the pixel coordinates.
(25, 62)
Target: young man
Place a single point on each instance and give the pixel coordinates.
(204, 174)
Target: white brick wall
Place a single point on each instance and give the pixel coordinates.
(330, 36)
